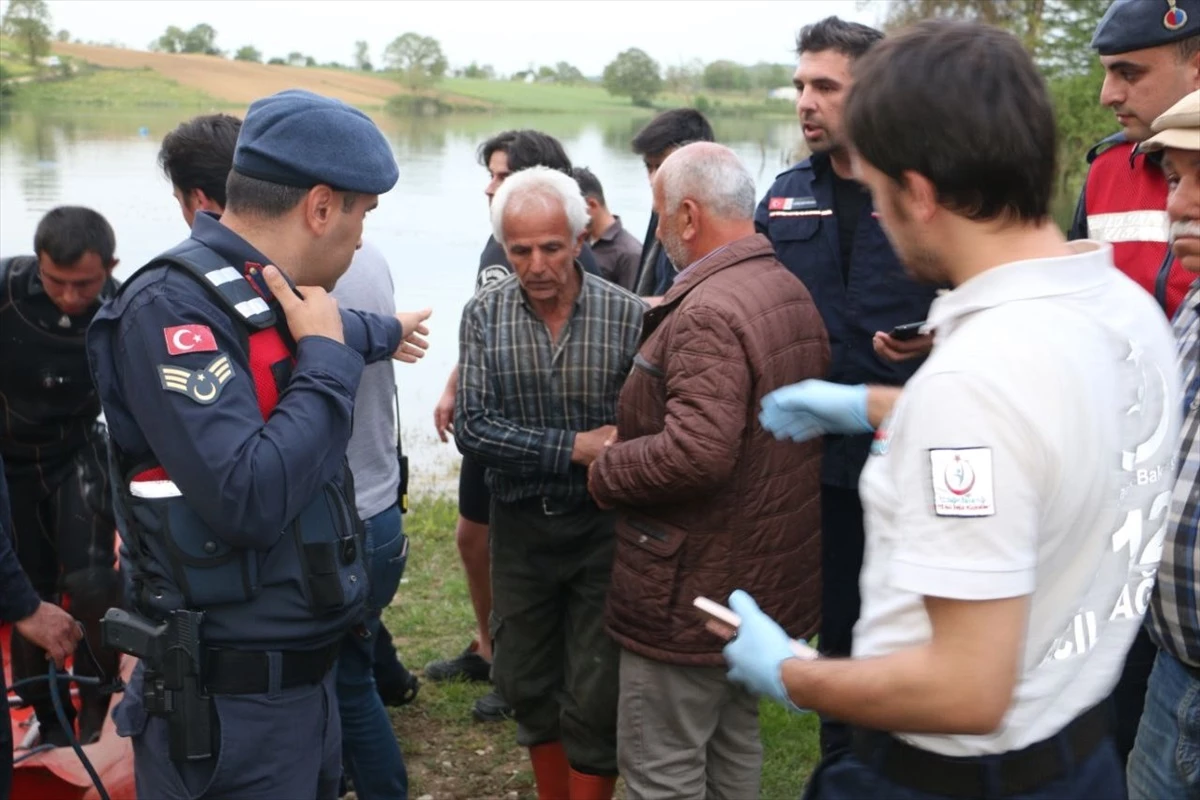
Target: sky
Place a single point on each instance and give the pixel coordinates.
(508, 34)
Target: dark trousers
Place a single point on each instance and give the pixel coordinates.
(841, 562)
(1129, 697)
(842, 776)
(369, 748)
(282, 744)
(555, 664)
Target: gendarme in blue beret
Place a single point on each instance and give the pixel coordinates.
(297, 138)
(1130, 25)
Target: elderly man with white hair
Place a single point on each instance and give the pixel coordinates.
(544, 353)
(709, 502)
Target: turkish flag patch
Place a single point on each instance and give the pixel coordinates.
(777, 203)
(189, 339)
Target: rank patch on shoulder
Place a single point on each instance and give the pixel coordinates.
(962, 482)
(203, 386)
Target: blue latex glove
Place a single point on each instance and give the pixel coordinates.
(813, 408)
(757, 653)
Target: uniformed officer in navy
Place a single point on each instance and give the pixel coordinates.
(228, 377)
(826, 232)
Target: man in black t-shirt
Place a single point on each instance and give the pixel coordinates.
(501, 155)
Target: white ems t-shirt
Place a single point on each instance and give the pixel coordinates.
(1030, 455)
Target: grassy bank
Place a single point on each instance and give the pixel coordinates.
(115, 89)
(449, 755)
(115, 78)
(549, 98)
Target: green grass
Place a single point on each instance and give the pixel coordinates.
(112, 88)
(585, 98)
(448, 754)
(538, 97)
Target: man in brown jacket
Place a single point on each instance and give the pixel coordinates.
(708, 500)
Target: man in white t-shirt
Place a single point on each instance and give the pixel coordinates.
(1016, 495)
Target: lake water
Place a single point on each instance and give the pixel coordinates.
(431, 227)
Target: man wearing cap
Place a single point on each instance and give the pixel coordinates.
(1167, 751)
(228, 377)
(1150, 50)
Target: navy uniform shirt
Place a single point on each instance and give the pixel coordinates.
(246, 478)
(871, 293)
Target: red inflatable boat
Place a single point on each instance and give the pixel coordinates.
(58, 774)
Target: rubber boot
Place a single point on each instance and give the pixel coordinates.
(591, 787)
(550, 771)
(92, 592)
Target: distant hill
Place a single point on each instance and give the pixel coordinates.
(242, 82)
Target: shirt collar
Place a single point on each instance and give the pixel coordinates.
(1085, 268)
(611, 231)
(1191, 301)
(701, 260)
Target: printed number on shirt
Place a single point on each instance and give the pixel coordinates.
(1147, 459)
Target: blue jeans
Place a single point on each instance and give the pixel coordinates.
(369, 747)
(1166, 756)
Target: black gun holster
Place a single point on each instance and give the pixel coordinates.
(173, 686)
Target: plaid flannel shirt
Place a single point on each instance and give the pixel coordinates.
(522, 397)
(1174, 619)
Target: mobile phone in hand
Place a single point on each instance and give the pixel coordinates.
(723, 615)
(906, 332)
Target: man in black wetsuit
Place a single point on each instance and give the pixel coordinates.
(53, 447)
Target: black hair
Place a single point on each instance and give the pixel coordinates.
(260, 198)
(271, 200)
(851, 39)
(589, 184)
(199, 154)
(525, 149)
(673, 128)
(983, 131)
(67, 232)
(1186, 48)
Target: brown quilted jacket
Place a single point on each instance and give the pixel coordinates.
(709, 501)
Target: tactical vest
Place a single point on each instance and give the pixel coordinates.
(311, 585)
(1126, 202)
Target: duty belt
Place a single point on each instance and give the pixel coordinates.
(249, 671)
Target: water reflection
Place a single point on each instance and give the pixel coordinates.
(431, 227)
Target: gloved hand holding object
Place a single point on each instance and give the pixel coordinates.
(756, 654)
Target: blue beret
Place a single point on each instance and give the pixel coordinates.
(1130, 25)
(297, 138)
